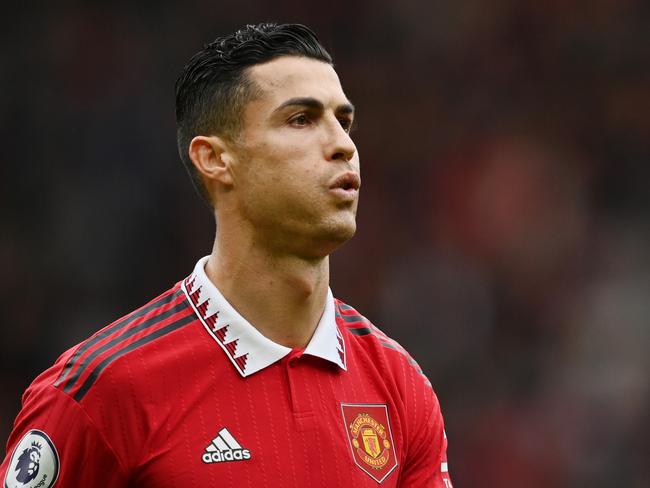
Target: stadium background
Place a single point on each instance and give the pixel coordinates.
(503, 231)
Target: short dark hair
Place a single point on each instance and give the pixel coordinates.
(213, 88)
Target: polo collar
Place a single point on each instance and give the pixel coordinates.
(248, 350)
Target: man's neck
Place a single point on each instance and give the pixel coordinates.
(281, 296)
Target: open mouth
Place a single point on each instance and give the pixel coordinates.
(349, 182)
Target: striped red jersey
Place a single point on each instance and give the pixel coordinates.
(185, 392)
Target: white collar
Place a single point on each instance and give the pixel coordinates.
(248, 350)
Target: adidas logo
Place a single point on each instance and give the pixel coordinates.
(224, 448)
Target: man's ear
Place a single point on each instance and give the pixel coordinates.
(212, 158)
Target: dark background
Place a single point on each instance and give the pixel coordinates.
(503, 231)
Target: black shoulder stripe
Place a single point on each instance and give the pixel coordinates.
(409, 359)
(351, 319)
(388, 345)
(125, 322)
(359, 331)
(134, 345)
(400, 349)
(124, 335)
(384, 340)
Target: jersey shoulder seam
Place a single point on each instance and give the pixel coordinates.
(92, 423)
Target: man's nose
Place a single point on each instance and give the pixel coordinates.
(341, 146)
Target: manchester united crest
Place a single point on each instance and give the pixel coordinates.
(370, 438)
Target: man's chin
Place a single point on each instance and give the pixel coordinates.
(337, 235)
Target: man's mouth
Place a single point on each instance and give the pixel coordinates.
(349, 181)
(345, 188)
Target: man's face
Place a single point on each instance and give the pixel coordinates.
(297, 171)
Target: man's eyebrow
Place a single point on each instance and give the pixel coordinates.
(310, 102)
(346, 108)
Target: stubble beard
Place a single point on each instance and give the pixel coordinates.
(309, 240)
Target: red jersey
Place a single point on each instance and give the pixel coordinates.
(185, 392)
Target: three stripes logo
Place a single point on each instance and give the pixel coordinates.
(158, 318)
(224, 448)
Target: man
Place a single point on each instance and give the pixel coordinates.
(248, 373)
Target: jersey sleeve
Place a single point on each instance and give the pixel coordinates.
(55, 441)
(426, 463)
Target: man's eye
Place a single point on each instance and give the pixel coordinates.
(300, 120)
(346, 124)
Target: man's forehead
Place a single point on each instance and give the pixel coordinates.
(293, 76)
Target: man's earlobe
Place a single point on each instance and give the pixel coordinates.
(211, 158)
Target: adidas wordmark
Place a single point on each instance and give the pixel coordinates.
(224, 448)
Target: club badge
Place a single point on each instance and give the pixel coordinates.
(370, 438)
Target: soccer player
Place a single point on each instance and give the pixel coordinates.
(247, 373)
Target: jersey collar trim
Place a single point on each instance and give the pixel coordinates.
(248, 350)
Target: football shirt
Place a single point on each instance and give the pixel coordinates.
(186, 392)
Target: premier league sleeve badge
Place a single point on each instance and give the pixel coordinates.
(371, 439)
(34, 462)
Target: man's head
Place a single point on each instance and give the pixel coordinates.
(264, 130)
(214, 87)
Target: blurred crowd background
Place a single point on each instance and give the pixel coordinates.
(503, 228)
